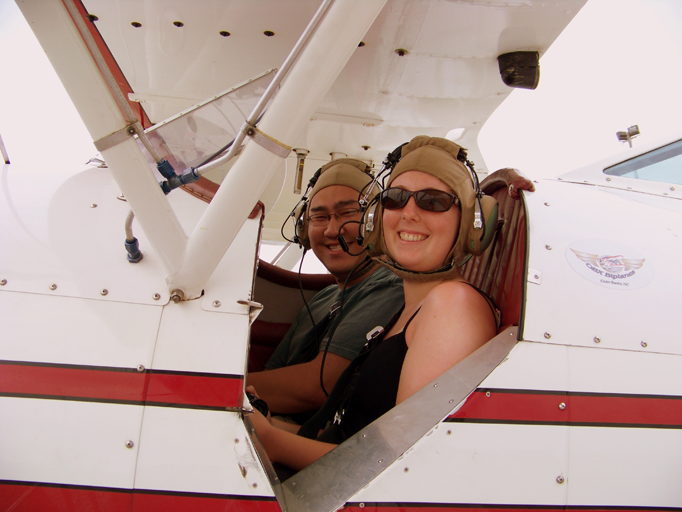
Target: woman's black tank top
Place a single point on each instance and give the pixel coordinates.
(368, 388)
(374, 388)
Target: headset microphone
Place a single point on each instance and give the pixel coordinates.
(343, 243)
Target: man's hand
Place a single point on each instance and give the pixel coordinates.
(296, 388)
(516, 181)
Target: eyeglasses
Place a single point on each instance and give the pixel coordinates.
(322, 219)
(430, 200)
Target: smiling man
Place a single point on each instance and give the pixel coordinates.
(365, 296)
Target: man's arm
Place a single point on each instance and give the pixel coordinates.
(296, 388)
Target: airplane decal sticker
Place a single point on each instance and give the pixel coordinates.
(613, 267)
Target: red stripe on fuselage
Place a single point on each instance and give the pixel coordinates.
(29, 497)
(120, 385)
(216, 391)
(483, 507)
(548, 407)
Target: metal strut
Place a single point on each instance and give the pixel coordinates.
(249, 127)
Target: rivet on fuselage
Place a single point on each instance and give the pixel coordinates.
(93, 205)
(217, 303)
(53, 286)
(140, 368)
(104, 291)
(547, 335)
(562, 406)
(3, 282)
(130, 444)
(157, 296)
(487, 394)
(596, 339)
(560, 479)
(548, 247)
(644, 344)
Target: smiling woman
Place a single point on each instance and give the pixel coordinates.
(421, 236)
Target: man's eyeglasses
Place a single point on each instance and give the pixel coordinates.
(430, 200)
(322, 219)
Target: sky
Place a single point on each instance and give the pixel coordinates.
(29, 86)
(616, 65)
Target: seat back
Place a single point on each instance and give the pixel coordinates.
(500, 270)
(279, 292)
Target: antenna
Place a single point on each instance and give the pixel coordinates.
(3, 150)
(628, 135)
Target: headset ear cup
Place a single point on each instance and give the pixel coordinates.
(479, 239)
(370, 228)
(301, 227)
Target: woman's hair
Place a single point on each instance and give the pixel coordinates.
(446, 161)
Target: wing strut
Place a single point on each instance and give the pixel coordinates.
(330, 482)
(309, 79)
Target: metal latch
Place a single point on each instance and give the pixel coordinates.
(254, 308)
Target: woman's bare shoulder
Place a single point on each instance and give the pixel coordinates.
(454, 293)
(457, 303)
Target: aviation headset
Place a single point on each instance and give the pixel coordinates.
(349, 172)
(448, 162)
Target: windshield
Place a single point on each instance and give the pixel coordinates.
(662, 164)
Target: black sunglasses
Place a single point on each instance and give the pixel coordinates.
(430, 200)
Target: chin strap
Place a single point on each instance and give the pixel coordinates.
(447, 271)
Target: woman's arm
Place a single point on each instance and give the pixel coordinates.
(286, 447)
(453, 322)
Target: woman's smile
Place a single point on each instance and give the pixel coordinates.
(411, 237)
(419, 239)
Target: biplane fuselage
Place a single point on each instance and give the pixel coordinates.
(122, 384)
